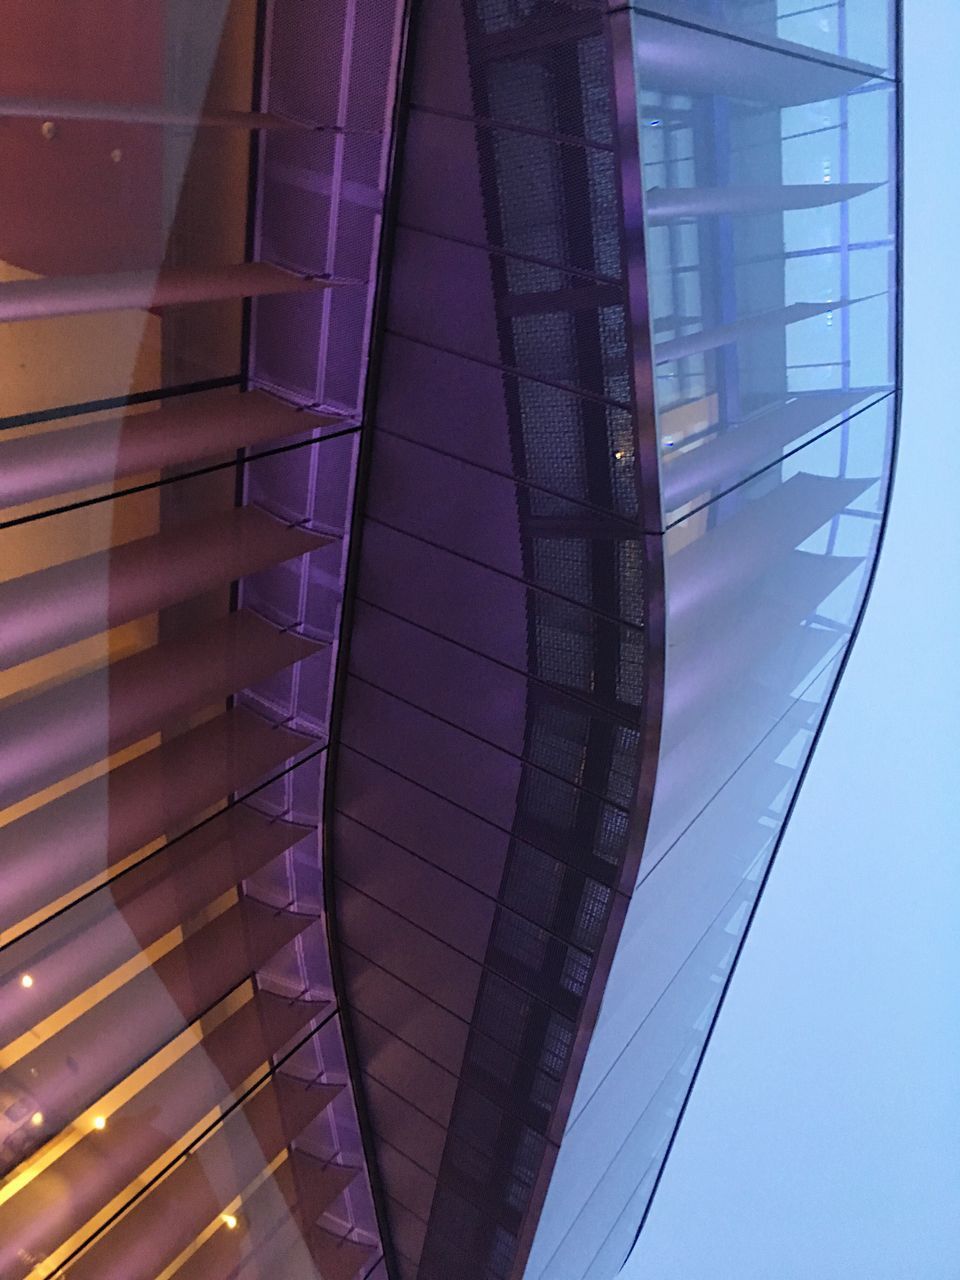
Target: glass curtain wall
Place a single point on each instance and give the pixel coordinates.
(861, 31)
(174, 1098)
(770, 197)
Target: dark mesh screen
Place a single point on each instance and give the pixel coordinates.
(544, 170)
(502, 620)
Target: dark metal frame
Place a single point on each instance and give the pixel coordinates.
(401, 112)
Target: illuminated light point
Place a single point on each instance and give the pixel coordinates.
(100, 1122)
(37, 1119)
(26, 981)
(229, 1221)
(619, 455)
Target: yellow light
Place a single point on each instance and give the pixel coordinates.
(26, 980)
(99, 1122)
(619, 455)
(229, 1221)
(37, 1119)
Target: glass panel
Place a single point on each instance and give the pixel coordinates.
(125, 146)
(763, 588)
(679, 940)
(171, 572)
(771, 252)
(854, 30)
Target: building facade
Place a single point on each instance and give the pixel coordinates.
(445, 450)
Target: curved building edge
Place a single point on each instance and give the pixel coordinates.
(411, 1135)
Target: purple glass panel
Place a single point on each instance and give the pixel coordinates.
(319, 211)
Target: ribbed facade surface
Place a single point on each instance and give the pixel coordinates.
(189, 229)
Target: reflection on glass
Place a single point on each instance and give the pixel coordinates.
(116, 153)
(763, 587)
(762, 591)
(845, 30)
(770, 242)
(170, 570)
(770, 234)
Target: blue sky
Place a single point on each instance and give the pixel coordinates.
(823, 1137)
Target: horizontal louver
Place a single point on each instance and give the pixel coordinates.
(180, 432)
(75, 950)
(164, 1223)
(57, 1203)
(67, 602)
(270, 1221)
(67, 1073)
(683, 58)
(158, 287)
(662, 204)
(743, 448)
(710, 339)
(58, 847)
(337, 1257)
(748, 544)
(141, 113)
(63, 729)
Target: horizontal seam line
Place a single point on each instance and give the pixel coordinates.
(480, 892)
(463, 809)
(476, 737)
(510, 577)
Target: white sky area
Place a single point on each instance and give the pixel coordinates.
(822, 1140)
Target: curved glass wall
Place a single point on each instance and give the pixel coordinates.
(862, 31)
(174, 516)
(770, 218)
(760, 611)
(494, 676)
(770, 198)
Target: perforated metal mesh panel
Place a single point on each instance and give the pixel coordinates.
(497, 661)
